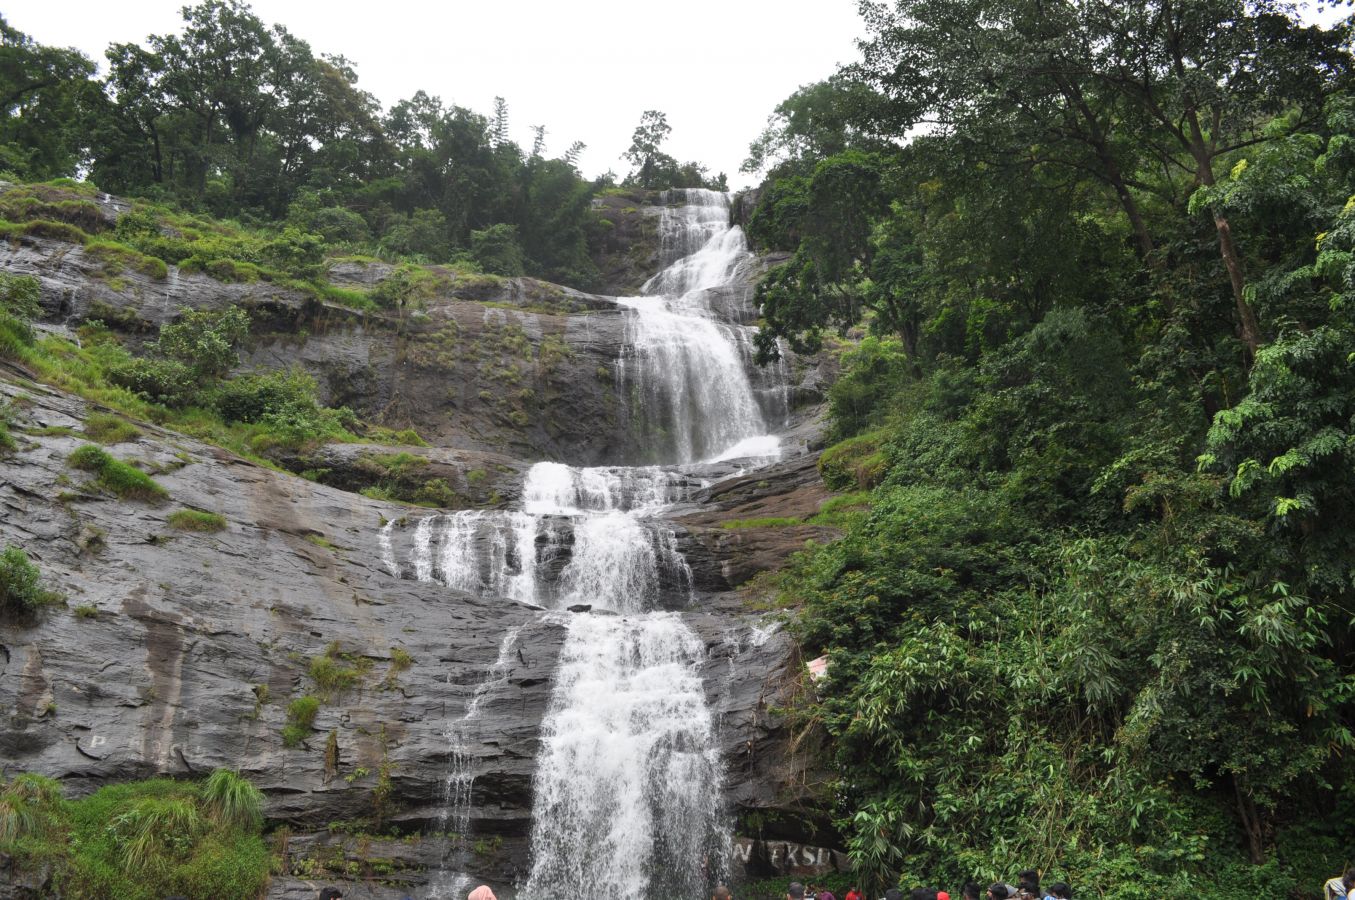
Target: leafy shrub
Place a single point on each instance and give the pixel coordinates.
(339, 225)
(21, 590)
(20, 296)
(422, 233)
(858, 462)
(256, 396)
(301, 714)
(872, 374)
(196, 520)
(165, 381)
(498, 250)
(113, 474)
(19, 305)
(205, 340)
(296, 252)
(137, 224)
(16, 336)
(109, 429)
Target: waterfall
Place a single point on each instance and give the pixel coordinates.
(460, 780)
(628, 783)
(685, 375)
(554, 488)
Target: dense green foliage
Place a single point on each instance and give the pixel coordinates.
(240, 119)
(141, 840)
(1095, 618)
(181, 380)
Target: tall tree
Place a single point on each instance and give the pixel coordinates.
(46, 97)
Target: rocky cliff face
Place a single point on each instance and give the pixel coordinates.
(501, 365)
(178, 652)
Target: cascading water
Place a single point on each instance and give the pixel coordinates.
(628, 783)
(460, 780)
(686, 375)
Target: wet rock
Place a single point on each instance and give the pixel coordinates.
(437, 476)
(198, 641)
(626, 251)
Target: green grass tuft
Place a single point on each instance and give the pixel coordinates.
(196, 520)
(114, 475)
(769, 522)
(108, 429)
(233, 800)
(21, 590)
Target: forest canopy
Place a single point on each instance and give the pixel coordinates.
(243, 120)
(1095, 613)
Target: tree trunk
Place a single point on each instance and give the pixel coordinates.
(1248, 326)
(1251, 823)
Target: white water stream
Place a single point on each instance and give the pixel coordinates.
(628, 782)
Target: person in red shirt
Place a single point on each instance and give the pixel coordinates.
(853, 894)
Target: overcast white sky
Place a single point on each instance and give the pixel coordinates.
(585, 69)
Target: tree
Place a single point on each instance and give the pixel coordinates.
(498, 250)
(1096, 88)
(652, 168)
(816, 121)
(47, 96)
(500, 127)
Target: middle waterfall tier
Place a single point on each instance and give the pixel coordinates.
(610, 560)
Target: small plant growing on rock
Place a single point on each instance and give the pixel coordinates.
(113, 474)
(25, 806)
(196, 520)
(108, 429)
(332, 676)
(21, 590)
(260, 698)
(301, 714)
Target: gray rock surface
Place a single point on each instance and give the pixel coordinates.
(187, 647)
(180, 633)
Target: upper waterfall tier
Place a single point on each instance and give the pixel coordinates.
(699, 247)
(689, 380)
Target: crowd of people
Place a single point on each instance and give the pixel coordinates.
(1026, 888)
